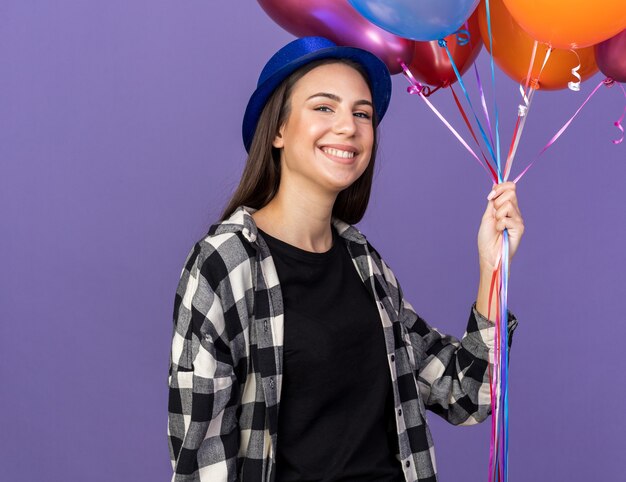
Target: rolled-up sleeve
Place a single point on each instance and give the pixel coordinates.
(452, 374)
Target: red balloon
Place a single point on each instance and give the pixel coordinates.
(611, 57)
(431, 64)
(338, 21)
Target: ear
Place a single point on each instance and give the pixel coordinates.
(278, 141)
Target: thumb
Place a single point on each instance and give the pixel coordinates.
(490, 211)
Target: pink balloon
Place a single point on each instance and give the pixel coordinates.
(611, 57)
(338, 21)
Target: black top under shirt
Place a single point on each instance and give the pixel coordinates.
(336, 420)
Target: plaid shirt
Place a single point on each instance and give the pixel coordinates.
(226, 359)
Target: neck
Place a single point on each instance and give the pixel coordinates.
(299, 216)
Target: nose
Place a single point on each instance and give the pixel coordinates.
(345, 122)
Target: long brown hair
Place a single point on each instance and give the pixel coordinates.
(261, 175)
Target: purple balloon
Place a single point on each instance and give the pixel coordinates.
(338, 21)
(611, 57)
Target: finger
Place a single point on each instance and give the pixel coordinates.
(498, 189)
(507, 209)
(505, 186)
(490, 210)
(515, 225)
(506, 196)
(509, 203)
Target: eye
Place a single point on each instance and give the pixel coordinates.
(363, 115)
(323, 108)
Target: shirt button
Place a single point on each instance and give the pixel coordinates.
(393, 358)
(399, 411)
(408, 463)
(265, 325)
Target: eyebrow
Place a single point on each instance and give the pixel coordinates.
(336, 98)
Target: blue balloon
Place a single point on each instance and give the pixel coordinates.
(417, 19)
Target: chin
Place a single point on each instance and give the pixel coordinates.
(338, 184)
(337, 187)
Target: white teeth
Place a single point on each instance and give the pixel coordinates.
(338, 152)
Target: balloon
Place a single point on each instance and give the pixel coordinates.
(417, 19)
(338, 21)
(611, 57)
(431, 64)
(566, 24)
(512, 51)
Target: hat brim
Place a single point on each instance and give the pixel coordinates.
(377, 72)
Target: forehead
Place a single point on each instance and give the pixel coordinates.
(336, 78)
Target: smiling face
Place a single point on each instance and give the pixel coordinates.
(326, 142)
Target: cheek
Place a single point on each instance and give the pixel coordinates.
(305, 131)
(368, 138)
(366, 163)
(366, 135)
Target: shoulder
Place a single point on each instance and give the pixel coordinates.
(381, 265)
(362, 249)
(218, 257)
(221, 261)
(384, 278)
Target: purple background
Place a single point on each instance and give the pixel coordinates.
(119, 146)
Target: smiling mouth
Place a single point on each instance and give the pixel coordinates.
(339, 153)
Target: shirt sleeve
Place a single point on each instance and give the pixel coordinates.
(201, 429)
(452, 374)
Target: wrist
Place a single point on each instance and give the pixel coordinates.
(486, 271)
(487, 268)
(485, 285)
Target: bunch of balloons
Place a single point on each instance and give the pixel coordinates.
(541, 44)
(345, 24)
(577, 33)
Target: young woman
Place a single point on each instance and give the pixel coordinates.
(295, 355)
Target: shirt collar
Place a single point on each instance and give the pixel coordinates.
(242, 221)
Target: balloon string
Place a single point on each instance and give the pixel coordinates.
(493, 83)
(498, 456)
(492, 287)
(483, 102)
(498, 462)
(530, 66)
(505, 352)
(562, 129)
(523, 109)
(428, 91)
(502, 358)
(532, 83)
(494, 453)
(416, 89)
(443, 43)
(493, 418)
(469, 126)
(575, 86)
(618, 122)
(517, 134)
(463, 36)
(527, 94)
